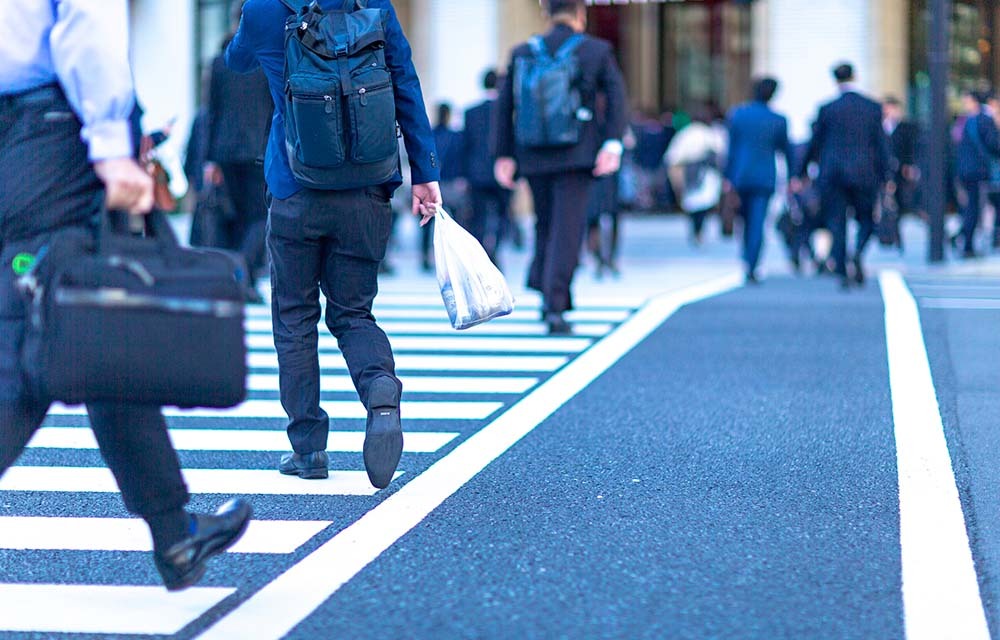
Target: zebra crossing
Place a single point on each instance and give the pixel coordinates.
(454, 384)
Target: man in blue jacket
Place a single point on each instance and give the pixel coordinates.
(756, 134)
(978, 151)
(334, 241)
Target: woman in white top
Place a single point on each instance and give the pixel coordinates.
(693, 159)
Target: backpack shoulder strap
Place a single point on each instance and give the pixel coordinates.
(570, 46)
(296, 6)
(538, 47)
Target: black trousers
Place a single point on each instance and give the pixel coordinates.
(971, 212)
(246, 232)
(488, 211)
(47, 183)
(560, 222)
(836, 198)
(334, 241)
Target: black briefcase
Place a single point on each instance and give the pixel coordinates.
(139, 319)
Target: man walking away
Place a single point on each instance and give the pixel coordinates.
(239, 117)
(977, 151)
(853, 154)
(557, 143)
(756, 134)
(331, 235)
(448, 143)
(488, 201)
(65, 98)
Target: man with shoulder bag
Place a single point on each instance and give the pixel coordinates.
(547, 132)
(65, 98)
(341, 76)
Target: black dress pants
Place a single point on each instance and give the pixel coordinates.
(486, 218)
(47, 183)
(836, 198)
(560, 223)
(334, 241)
(247, 231)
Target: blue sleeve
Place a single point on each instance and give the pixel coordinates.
(241, 55)
(410, 111)
(734, 143)
(785, 147)
(89, 42)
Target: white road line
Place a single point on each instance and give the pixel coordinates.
(238, 440)
(513, 328)
(104, 610)
(132, 534)
(450, 343)
(335, 408)
(304, 587)
(440, 318)
(961, 303)
(411, 362)
(941, 596)
(216, 481)
(413, 384)
(397, 306)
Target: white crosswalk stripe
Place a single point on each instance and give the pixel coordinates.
(449, 378)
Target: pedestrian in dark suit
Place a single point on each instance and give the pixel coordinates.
(978, 150)
(561, 178)
(334, 241)
(488, 201)
(904, 152)
(450, 145)
(239, 118)
(853, 154)
(66, 95)
(756, 134)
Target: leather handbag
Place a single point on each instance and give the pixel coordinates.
(116, 317)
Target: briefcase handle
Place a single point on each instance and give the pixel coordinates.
(154, 226)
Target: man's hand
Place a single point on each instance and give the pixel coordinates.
(795, 185)
(607, 162)
(126, 186)
(212, 174)
(504, 171)
(426, 200)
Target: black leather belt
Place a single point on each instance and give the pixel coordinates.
(47, 94)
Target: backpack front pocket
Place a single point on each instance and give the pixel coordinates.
(373, 123)
(317, 123)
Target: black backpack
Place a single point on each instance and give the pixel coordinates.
(340, 109)
(547, 101)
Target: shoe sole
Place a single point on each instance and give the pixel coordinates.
(383, 446)
(193, 577)
(315, 473)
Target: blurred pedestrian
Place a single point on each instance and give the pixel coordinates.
(66, 95)
(329, 227)
(904, 163)
(450, 146)
(852, 151)
(652, 137)
(239, 119)
(975, 160)
(693, 160)
(756, 135)
(560, 157)
(489, 203)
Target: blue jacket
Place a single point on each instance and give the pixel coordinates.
(756, 134)
(850, 143)
(978, 148)
(260, 40)
(449, 145)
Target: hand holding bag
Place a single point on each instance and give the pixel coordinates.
(473, 289)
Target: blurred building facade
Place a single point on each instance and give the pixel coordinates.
(675, 54)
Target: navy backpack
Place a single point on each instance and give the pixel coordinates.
(340, 110)
(547, 99)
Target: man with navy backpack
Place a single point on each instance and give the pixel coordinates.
(341, 75)
(549, 131)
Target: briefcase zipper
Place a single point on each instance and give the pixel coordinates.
(109, 298)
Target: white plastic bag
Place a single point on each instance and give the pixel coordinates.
(473, 289)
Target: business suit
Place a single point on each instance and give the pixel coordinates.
(488, 201)
(239, 117)
(904, 151)
(852, 150)
(561, 178)
(756, 134)
(977, 150)
(329, 240)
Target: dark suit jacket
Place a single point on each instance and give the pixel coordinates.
(477, 151)
(972, 158)
(904, 144)
(756, 134)
(239, 114)
(449, 147)
(599, 74)
(849, 143)
(260, 41)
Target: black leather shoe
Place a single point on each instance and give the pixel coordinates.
(859, 272)
(183, 564)
(557, 325)
(308, 466)
(383, 433)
